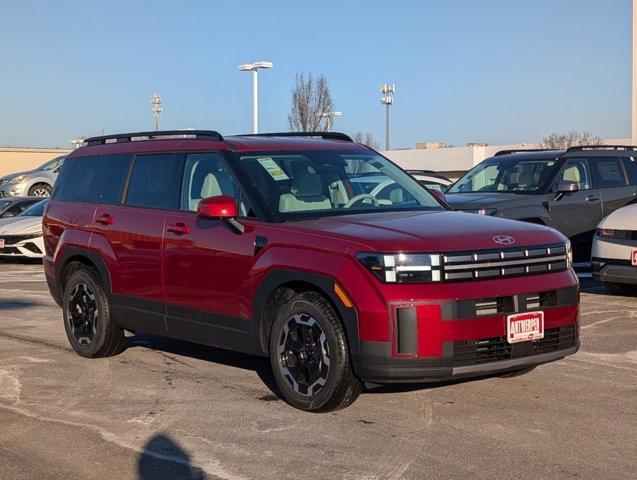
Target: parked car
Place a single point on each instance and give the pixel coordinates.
(430, 179)
(262, 244)
(21, 236)
(34, 183)
(570, 190)
(11, 207)
(614, 256)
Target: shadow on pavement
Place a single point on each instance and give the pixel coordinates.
(17, 304)
(164, 458)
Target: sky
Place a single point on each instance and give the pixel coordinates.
(500, 71)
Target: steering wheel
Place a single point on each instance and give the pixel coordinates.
(360, 198)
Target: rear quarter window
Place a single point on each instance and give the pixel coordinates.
(631, 170)
(98, 179)
(608, 173)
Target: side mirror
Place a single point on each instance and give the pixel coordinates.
(566, 186)
(439, 195)
(221, 207)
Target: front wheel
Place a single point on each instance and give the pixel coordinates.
(310, 357)
(40, 190)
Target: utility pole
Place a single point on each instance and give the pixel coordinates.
(387, 91)
(157, 108)
(634, 84)
(329, 119)
(254, 67)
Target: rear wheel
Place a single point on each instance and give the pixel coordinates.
(309, 355)
(620, 288)
(87, 316)
(40, 190)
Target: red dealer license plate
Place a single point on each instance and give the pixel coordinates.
(1, 242)
(524, 327)
(634, 258)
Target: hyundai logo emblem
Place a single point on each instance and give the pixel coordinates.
(504, 240)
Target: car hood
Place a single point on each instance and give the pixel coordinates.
(459, 201)
(429, 231)
(20, 225)
(622, 219)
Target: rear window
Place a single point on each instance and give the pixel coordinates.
(96, 179)
(608, 173)
(154, 182)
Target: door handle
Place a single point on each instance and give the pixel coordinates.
(179, 228)
(592, 198)
(105, 219)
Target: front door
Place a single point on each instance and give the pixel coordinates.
(207, 262)
(576, 214)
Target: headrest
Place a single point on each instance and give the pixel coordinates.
(306, 182)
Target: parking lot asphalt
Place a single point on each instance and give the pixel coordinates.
(170, 409)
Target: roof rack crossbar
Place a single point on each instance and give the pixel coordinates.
(323, 135)
(577, 148)
(514, 150)
(157, 134)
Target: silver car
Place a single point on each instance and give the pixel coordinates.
(614, 258)
(35, 183)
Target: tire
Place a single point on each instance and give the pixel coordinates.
(40, 190)
(330, 384)
(620, 288)
(87, 316)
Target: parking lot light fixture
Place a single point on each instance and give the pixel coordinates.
(157, 109)
(329, 116)
(254, 67)
(387, 91)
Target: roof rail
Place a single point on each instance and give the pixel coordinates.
(577, 148)
(323, 135)
(522, 150)
(154, 135)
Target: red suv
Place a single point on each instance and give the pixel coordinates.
(275, 245)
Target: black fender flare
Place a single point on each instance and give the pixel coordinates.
(277, 278)
(94, 257)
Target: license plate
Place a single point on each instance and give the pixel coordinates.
(634, 258)
(524, 327)
(1, 242)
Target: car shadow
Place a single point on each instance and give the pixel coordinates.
(259, 365)
(17, 304)
(162, 457)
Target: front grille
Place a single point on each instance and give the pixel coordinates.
(503, 263)
(474, 352)
(15, 239)
(10, 251)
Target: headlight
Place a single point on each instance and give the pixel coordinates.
(480, 211)
(569, 254)
(402, 267)
(17, 179)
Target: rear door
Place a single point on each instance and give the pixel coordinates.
(609, 176)
(131, 234)
(576, 214)
(207, 262)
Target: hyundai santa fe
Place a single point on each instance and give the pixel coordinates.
(265, 244)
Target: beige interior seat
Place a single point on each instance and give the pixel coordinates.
(306, 191)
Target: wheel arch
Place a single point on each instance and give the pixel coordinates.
(278, 286)
(83, 256)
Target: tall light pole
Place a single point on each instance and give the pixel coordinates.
(387, 91)
(254, 67)
(157, 108)
(329, 116)
(634, 85)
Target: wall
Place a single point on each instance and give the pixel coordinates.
(22, 159)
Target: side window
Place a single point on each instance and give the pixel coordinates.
(575, 170)
(631, 170)
(608, 173)
(96, 179)
(207, 175)
(17, 209)
(153, 182)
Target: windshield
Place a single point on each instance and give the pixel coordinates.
(52, 164)
(306, 184)
(35, 210)
(511, 175)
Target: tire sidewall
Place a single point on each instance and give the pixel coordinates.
(338, 355)
(87, 277)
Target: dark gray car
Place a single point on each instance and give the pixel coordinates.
(569, 190)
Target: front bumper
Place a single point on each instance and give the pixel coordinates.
(13, 190)
(467, 338)
(614, 271)
(22, 247)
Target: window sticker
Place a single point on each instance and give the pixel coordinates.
(273, 169)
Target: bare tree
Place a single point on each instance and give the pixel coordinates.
(311, 102)
(568, 139)
(366, 139)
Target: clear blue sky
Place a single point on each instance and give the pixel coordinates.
(499, 71)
